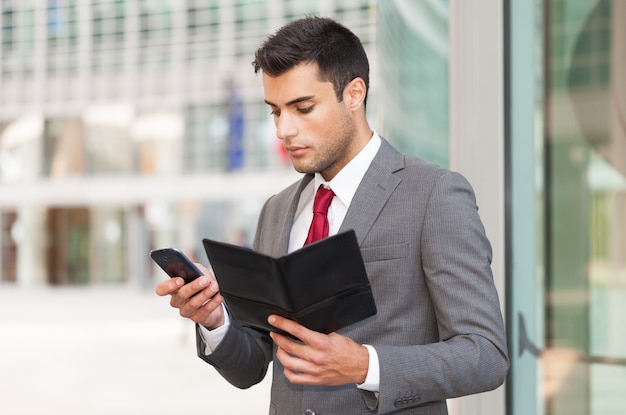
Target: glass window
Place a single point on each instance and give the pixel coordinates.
(580, 348)
(17, 39)
(155, 33)
(8, 26)
(108, 36)
(205, 139)
(62, 37)
(586, 163)
(413, 47)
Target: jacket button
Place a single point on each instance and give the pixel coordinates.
(309, 412)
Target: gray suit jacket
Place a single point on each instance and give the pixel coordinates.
(438, 331)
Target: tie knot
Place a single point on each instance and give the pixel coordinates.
(322, 201)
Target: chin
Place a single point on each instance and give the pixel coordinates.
(301, 168)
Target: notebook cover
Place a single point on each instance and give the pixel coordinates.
(323, 286)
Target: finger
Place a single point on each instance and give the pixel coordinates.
(299, 370)
(285, 343)
(206, 315)
(192, 288)
(200, 298)
(169, 286)
(291, 362)
(297, 330)
(304, 353)
(184, 293)
(205, 271)
(294, 349)
(300, 378)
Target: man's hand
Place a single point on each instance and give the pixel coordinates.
(321, 359)
(199, 300)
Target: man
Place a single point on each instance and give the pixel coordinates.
(438, 332)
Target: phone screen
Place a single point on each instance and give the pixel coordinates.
(175, 263)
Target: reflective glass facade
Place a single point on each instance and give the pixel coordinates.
(568, 186)
(414, 58)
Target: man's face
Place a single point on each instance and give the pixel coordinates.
(317, 131)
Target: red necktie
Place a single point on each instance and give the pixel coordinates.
(319, 225)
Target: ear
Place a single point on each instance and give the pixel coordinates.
(354, 94)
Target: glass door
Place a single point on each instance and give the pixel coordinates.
(585, 137)
(567, 149)
(585, 133)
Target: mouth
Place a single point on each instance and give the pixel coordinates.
(296, 151)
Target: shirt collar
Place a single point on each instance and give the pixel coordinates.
(345, 183)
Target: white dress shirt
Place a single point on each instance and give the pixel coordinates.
(344, 184)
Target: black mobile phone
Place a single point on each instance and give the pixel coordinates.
(175, 263)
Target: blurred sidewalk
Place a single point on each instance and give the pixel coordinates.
(93, 351)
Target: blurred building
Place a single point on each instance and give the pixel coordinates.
(129, 125)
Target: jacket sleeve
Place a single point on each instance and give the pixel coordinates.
(242, 357)
(470, 355)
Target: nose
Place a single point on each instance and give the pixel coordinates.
(286, 126)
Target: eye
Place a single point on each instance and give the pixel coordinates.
(305, 110)
(275, 113)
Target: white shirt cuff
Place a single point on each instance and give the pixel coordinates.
(372, 380)
(212, 338)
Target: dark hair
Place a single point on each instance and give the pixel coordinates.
(337, 52)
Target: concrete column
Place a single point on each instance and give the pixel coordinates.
(477, 139)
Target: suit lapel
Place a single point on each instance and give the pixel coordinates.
(374, 191)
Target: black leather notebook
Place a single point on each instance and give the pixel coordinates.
(323, 285)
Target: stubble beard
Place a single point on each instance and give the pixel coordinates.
(330, 156)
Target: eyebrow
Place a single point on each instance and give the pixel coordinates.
(293, 101)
